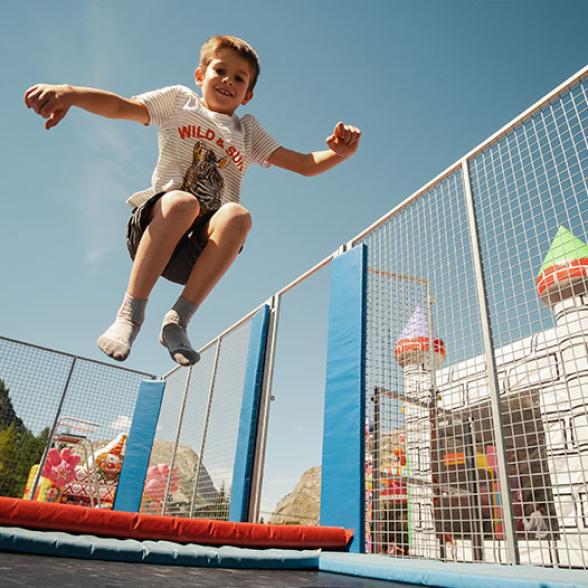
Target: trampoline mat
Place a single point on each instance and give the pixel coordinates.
(38, 571)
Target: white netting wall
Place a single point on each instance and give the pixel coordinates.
(433, 487)
(195, 444)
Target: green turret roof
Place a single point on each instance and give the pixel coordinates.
(565, 247)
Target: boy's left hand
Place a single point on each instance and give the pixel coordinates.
(344, 141)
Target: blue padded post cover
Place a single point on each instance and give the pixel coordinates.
(342, 483)
(139, 445)
(245, 452)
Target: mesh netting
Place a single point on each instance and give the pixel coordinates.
(434, 486)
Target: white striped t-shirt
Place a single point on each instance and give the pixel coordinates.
(183, 120)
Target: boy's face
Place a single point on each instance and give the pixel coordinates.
(225, 82)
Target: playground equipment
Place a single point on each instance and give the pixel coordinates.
(73, 471)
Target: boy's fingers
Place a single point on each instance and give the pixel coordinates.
(51, 121)
(39, 101)
(31, 95)
(47, 108)
(354, 133)
(31, 92)
(55, 118)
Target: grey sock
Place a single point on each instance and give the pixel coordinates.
(117, 340)
(173, 332)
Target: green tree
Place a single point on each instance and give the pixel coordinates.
(19, 448)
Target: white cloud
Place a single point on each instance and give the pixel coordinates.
(102, 194)
(105, 154)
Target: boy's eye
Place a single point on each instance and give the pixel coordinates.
(219, 70)
(240, 79)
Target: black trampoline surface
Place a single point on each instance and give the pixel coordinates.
(23, 570)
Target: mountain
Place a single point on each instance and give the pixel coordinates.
(302, 505)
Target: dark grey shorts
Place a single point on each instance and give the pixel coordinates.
(187, 250)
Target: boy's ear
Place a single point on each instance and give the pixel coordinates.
(248, 97)
(199, 75)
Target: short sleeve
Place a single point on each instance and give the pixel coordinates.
(260, 143)
(160, 103)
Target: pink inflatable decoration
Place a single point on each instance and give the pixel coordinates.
(156, 481)
(60, 466)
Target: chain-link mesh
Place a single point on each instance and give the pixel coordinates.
(434, 487)
(292, 475)
(422, 315)
(62, 411)
(531, 196)
(214, 478)
(164, 450)
(192, 463)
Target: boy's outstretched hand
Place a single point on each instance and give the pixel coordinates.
(48, 100)
(344, 141)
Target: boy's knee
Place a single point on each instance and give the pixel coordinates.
(236, 216)
(178, 202)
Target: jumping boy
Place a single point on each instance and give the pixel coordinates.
(188, 226)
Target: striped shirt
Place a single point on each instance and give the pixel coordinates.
(189, 132)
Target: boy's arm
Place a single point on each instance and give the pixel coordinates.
(53, 102)
(342, 143)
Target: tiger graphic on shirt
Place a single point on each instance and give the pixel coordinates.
(203, 178)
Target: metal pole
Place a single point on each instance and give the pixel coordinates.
(512, 548)
(53, 428)
(72, 356)
(264, 409)
(474, 502)
(172, 461)
(377, 514)
(434, 452)
(205, 425)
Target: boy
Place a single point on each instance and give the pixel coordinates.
(188, 225)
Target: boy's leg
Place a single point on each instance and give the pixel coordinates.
(226, 233)
(171, 216)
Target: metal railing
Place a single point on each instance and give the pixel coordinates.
(197, 433)
(477, 359)
(50, 399)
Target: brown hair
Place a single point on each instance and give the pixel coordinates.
(244, 49)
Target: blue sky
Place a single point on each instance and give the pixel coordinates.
(425, 80)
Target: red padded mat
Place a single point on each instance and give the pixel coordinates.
(46, 516)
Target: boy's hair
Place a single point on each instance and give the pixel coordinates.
(244, 49)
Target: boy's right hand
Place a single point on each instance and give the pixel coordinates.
(50, 101)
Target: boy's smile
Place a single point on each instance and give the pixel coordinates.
(225, 82)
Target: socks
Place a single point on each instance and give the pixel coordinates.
(117, 340)
(173, 332)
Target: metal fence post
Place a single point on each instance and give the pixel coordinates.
(205, 426)
(53, 428)
(172, 460)
(264, 408)
(512, 548)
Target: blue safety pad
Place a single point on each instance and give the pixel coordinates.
(342, 480)
(245, 450)
(61, 544)
(139, 445)
(450, 575)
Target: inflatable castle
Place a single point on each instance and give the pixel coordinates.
(453, 484)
